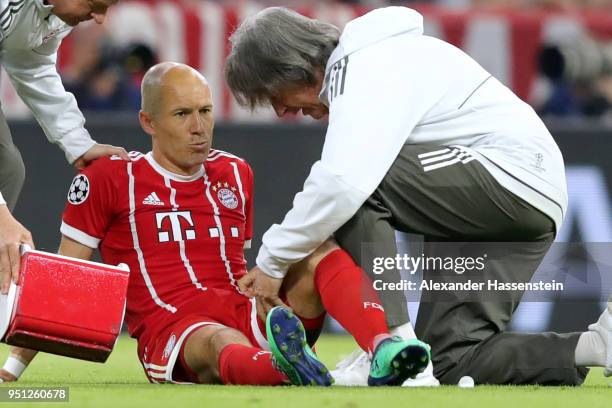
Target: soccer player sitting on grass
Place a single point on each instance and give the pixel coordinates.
(180, 217)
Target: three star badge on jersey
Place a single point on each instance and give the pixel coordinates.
(226, 194)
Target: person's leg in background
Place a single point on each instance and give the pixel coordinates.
(461, 202)
(12, 169)
(369, 234)
(470, 334)
(12, 177)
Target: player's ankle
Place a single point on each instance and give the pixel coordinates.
(379, 338)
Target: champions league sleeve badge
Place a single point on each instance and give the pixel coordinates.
(226, 194)
(79, 190)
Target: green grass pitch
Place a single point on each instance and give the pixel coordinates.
(121, 383)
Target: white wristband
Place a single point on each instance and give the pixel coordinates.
(2, 202)
(14, 366)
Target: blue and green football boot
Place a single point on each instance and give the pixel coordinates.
(395, 360)
(291, 352)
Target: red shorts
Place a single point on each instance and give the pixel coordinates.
(160, 348)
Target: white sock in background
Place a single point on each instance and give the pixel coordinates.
(590, 350)
(405, 331)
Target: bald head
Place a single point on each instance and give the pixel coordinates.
(163, 75)
(177, 111)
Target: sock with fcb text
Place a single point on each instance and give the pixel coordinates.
(247, 365)
(348, 296)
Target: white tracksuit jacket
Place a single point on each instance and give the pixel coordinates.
(29, 38)
(387, 84)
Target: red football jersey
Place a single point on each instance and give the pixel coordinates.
(179, 235)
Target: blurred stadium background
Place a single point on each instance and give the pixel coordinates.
(555, 54)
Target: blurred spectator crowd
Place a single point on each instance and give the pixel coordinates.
(574, 74)
(102, 75)
(575, 79)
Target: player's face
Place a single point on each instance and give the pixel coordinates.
(73, 12)
(296, 99)
(183, 127)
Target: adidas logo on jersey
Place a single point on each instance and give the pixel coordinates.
(152, 199)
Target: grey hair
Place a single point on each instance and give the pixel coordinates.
(152, 82)
(275, 49)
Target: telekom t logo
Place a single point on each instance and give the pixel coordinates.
(175, 222)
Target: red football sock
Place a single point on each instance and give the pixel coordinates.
(348, 296)
(246, 365)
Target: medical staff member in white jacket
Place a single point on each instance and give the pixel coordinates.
(423, 140)
(31, 32)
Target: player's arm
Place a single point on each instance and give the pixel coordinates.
(85, 219)
(19, 358)
(34, 75)
(39, 85)
(70, 247)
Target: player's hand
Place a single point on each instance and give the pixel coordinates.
(264, 288)
(245, 284)
(100, 150)
(12, 235)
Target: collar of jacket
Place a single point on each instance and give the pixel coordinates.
(44, 5)
(44, 8)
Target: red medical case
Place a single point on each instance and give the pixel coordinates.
(67, 306)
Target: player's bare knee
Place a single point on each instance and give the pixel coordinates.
(200, 353)
(321, 252)
(299, 284)
(224, 337)
(217, 341)
(309, 264)
(301, 292)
